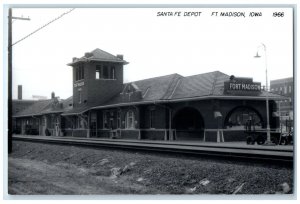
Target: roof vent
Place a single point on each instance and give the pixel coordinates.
(88, 54)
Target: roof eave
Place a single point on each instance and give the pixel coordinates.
(97, 60)
(25, 116)
(190, 99)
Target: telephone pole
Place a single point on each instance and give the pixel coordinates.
(10, 122)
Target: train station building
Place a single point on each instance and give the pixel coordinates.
(210, 106)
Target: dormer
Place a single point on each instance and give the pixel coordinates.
(131, 92)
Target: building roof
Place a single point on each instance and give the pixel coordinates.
(77, 110)
(99, 56)
(42, 107)
(175, 87)
(34, 109)
(59, 106)
(19, 105)
(169, 88)
(206, 84)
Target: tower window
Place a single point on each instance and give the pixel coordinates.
(105, 72)
(98, 72)
(112, 72)
(79, 75)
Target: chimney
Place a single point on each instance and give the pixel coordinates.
(52, 95)
(120, 57)
(19, 92)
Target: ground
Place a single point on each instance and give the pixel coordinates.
(50, 169)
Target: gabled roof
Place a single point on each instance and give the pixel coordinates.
(19, 105)
(151, 89)
(156, 88)
(59, 106)
(99, 56)
(34, 109)
(42, 107)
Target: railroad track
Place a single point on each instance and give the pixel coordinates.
(246, 153)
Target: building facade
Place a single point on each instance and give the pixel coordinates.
(284, 87)
(206, 107)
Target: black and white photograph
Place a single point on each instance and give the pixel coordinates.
(150, 100)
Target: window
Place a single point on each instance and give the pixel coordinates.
(105, 72)
(290, 89)
(44, 120)
(112, 73)
(105, 124)
(285, 89)
(98, 72)
(241, 116)
(130, 120)
(119, 119)
(79, 72)
(78, 122)
(152, 118)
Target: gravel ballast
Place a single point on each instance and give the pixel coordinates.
(48, 169)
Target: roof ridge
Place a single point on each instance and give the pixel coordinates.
(154, 78)
(217, 71)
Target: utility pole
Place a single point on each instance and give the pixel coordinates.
(10, 122)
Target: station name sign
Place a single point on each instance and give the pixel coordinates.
(240, 86)
(244, 86)
(79, 84)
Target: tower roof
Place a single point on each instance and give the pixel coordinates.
(98, 55)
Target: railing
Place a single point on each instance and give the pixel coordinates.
(156, 134)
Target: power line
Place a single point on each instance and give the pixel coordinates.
(40, 28)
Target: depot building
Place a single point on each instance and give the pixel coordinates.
(210, 106)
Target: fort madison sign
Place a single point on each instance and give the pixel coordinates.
(241, 86)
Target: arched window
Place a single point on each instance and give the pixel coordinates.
(130, 119)
(237, 119)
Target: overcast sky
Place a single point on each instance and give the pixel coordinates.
(153, 45)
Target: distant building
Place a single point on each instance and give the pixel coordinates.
(284, 87)
(37, 97)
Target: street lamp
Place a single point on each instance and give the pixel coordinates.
(267, 93)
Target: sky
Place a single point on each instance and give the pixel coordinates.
(153, 45)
